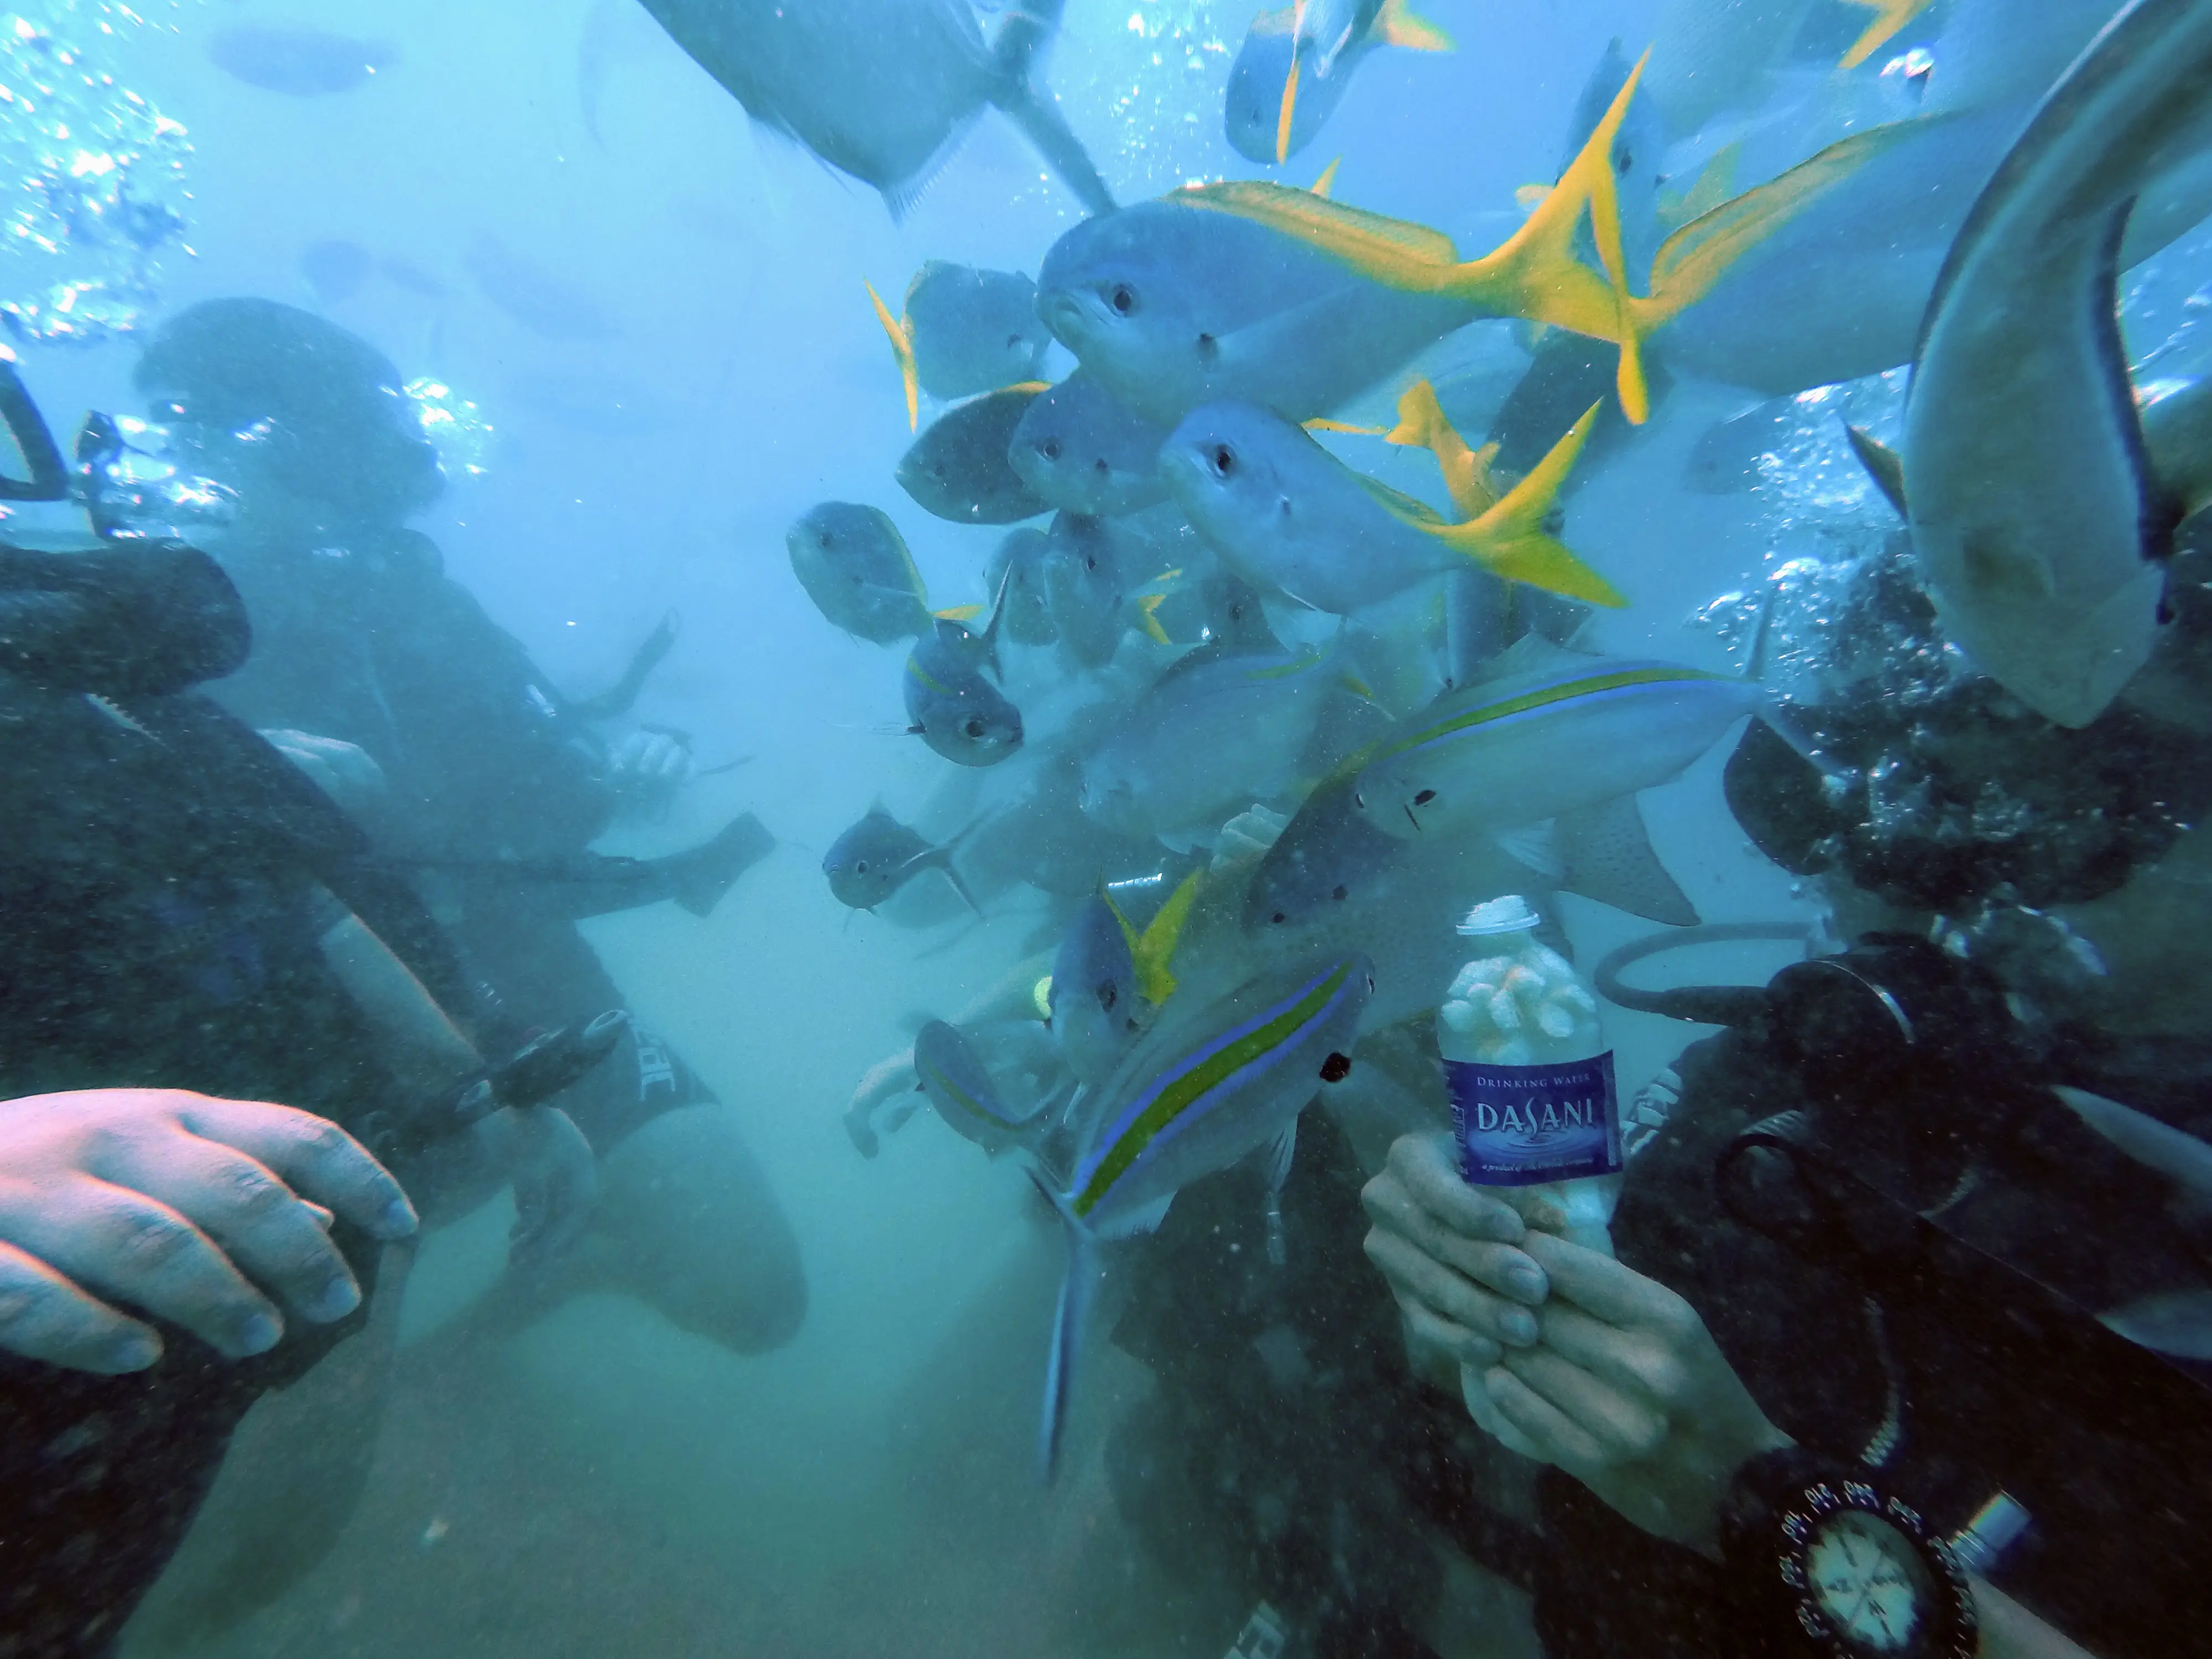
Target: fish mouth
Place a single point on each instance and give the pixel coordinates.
(1064, 313)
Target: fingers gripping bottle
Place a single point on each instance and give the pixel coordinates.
(1532, 1088)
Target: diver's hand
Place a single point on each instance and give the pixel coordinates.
(884, 1078)
(556, 1183)
(1628, 1393)
(649, 766)
(1246, 838)
(185, 1207)
(345, 772)
(1456, 1258)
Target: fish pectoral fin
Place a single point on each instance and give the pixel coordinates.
(1882, 463)
(1607, 854)
(1398, 25)
(902, 338)
(1278, 1154)
(1510, 540)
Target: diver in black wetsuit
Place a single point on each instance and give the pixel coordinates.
(179, 910)
(495, 784)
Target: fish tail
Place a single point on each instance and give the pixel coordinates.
(1024, 33)
(1537, 274)
(1398, 25)
(942, 858)
(1068, 1322)
(1422, 424)
(1511, 541)
(902, 349)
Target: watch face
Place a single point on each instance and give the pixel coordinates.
(1869, 1581)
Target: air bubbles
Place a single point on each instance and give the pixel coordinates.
(456, 427)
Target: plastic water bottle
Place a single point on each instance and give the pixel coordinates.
(1533, 1101)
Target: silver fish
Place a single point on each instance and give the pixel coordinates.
(854, 565)
(960, 1086)
(882, 89)
(1093, 998)
(2039, 530)
(1017, 572)
(958, 468)
(1086, 588)
(972, 331)
(878, 856)
(1270, 115)
(1079, 449)
(952, 708)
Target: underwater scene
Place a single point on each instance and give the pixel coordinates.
(1105, 830)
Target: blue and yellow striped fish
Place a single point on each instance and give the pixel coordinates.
(1200, 1091)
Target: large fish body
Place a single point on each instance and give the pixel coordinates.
(953, 708)
(1548, 740)
(1015, 574)
(1221, 729)
(299, 61)
(2038, 526)
(1086, 588)
(879, 855)
(1077, 447)
(972, 331)
(854, 565)
(881, 89)
(1093, 999)
(958, 469)
(1169, 305)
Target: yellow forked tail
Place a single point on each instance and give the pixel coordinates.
(1155, 948)
(1510, 540)
(1891, 15)
(1421, 425)
(902, 349)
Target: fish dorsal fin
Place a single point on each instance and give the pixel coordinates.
(1882, 463)
(1607, 856)
(1155, 948)
(1322, 184)
(1389, 250)
(1691, 261)
(902, 338)
(1891, 15)
(1398, 25)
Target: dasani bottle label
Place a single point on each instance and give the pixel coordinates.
(1520, 1125)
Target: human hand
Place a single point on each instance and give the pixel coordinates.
(1456, 1258)
(179, 1206)
(556, 1183)
(1628, 1392)
(345, 772)
(1245, 838)
(649, 765)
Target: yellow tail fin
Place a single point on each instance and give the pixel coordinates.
(1156, 947)
(1510, 540)
(1149, 605)
(903, 349)
(1892, 15)
(958, 613)
(1396, 25)
(1421, 425)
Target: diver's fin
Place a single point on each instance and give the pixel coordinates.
(902, 340)
(699, 876)
(1322, 186)
(648, 657)
(1891, 17)
(1882, 463)
(1607, 856)
(1034, 110)
(1155, 948)
(1398, 25)
(1510, 540)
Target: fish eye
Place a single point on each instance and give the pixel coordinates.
(859, 866)
(1336, 1067)
(1091, 562)
(1360, 800)
(1279, 918)
(1100, 467)
(1623, 159)
(1223, 459)
(1049, 449)
(1424, 798)
(1123, 298)
(974, 727)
